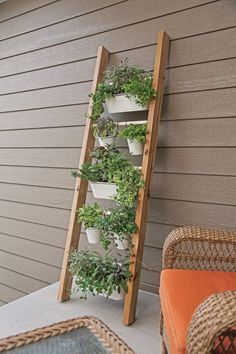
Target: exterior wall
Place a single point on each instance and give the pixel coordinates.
(47, 57)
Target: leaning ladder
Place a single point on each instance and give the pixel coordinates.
(149, 153)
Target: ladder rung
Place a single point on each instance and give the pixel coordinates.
(136, 122)
(121, 124)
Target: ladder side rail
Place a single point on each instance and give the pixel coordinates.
(81, 185)
(150, 147)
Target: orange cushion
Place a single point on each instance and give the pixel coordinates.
(181, 292)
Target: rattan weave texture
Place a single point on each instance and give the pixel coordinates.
(197, 248)
(107, 337)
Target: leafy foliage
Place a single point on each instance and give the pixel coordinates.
(112, 166)
(90, 215)
(105, 127)
(98, 275)
(123, 79)
(128, 182)
(117, 221)
(134, 132)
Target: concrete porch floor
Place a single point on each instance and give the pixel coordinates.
(41, 308)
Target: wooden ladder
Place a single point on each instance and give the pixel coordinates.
(81, 186)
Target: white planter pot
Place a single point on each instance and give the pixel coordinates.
(115, 295)
(106, 141)
(135, 147)
(93, 235)
(103, 190)
(121, 241)
(120, 103)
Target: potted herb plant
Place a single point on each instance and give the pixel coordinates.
(118, 224)
(105, 130)
(90, 216)
(99, 275)
(101, 172)
(124, 88)
(136, 136)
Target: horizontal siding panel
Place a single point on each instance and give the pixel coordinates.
(19, 281)
(33, 250)
(206, 189)
(211, 17)
(58, 75)
(11, 9)
(28, 267)
(35, 214)
(44, 177)
(186, 51)
(52, 137)
(218, 161)
(205, 104)
(156, 234)
(57, 96)
(198, 133)
(43, 118)
(149, 288)
(150, 277)
(205, 76)
(106, 20)
(196, 77)
(186, 213)
(195, 133)
(35, 232)
(58, 11)
(2, 303)
(64, 158)
(52, 197)
(9, 294)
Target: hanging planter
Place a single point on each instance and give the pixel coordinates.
(136, 136)
(125, 88)
(105, 130)
(121, 103)
(115, 295)
(90, 216)
(99, 275)
(135, 147)
(93, 235)
(106, 141)
(103, 190)
(121, 241)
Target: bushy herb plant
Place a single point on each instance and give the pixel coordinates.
(105, 127)
(90, 215)
(126, 79)
(98, 274)
(112, 166)
(134, 132)
(128, 182)
(117, 221)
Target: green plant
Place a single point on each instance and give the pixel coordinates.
(97, 274)
(113, 167)
(123, 79)
(134, 132)
(128, 182)
(90, 215)
(105, 127)
(106, 162)
(117, 221)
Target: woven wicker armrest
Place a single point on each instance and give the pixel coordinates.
(213, 325)
(197, 248)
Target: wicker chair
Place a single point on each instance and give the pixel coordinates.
(214, 321)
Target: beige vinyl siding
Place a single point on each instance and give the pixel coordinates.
(47, 57)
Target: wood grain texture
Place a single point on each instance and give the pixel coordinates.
(198, 20)
(83, 26)
(194, 180)
(19, 281)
